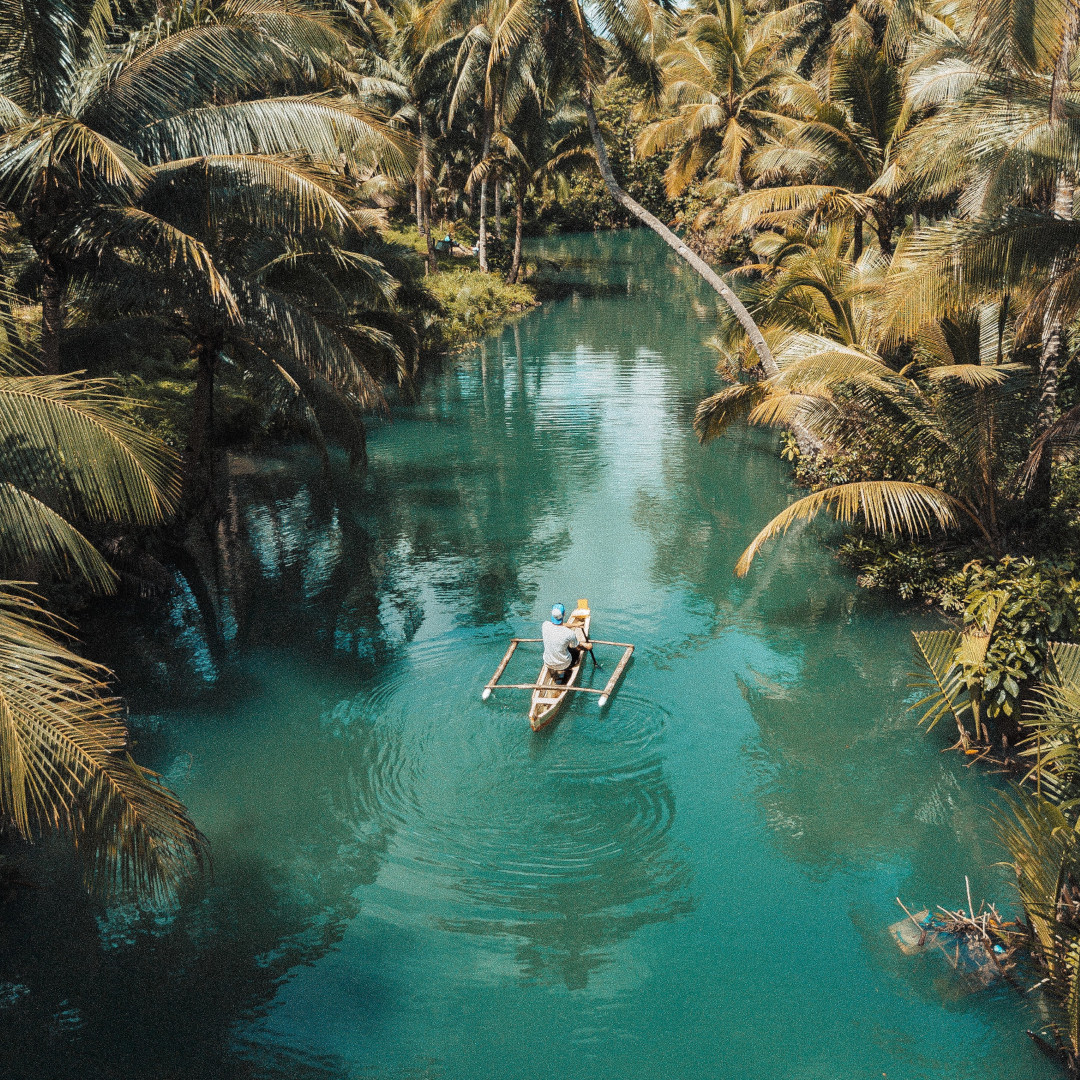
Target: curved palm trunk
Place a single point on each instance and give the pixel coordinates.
(198, 473)
(519, 223)
(52, 318)
(498, 206)
(738, 309)
(482, 238)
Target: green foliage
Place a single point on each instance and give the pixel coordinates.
(1015, 607)
(910, 570)
(583, 204)
(1036, 603)
(472, 304)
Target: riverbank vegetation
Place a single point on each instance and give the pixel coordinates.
(907, 179)
(263, 219)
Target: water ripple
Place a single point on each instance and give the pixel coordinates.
(495, 827)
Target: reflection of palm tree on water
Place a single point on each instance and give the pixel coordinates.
(149, 998)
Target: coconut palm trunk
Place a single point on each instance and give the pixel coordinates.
(430, 265)
(198, 474)
(519, 225)
(738, 309)
(52, 318)
(423, 196)
(8, 323)
(482, 237)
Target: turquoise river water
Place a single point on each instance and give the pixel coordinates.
(694, 883)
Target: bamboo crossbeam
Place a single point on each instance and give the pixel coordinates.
(526, 639)
(621, 644)
(553, 687)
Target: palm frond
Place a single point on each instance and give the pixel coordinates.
(64, 762)
(886, 507)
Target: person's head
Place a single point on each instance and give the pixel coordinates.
(558, 612)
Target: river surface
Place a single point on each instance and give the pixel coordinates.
(694, 883)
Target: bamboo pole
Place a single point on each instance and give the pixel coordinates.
(616, 674)
(499, 670)
(621, 644)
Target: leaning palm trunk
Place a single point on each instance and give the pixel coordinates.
(746, 320)
(519, 223)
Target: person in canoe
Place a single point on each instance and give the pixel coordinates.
(562, 644)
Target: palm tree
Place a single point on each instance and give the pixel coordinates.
(939, 425)
(575, 42)
(91, 126)
(182, 135)
(1001, 143)
(67, 458)
(720, 79)
(497, 65)
(407, 81)
(539, 147)
(839, 159)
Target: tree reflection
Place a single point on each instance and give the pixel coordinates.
(829, 691)
(119, 993)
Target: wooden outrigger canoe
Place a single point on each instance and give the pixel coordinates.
(548, 696)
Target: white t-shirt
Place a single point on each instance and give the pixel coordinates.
(557, 642)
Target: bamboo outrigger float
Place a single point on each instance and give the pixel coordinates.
(548, 696)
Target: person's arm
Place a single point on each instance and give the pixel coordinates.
(583, 641)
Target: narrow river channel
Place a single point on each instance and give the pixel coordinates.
(694, 884)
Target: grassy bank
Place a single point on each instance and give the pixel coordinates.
(468, 303)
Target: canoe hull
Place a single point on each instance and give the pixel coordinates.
(551, 697)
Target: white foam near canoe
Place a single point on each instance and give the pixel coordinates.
(548, 696)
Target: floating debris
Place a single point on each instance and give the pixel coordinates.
(979, 946)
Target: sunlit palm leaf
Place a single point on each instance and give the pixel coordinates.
(939, 650)
(34, 538)
(64, 762)
(885, 507)
(103, 466)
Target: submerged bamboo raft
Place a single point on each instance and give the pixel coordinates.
(548, 696)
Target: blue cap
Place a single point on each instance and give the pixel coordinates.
(557, 613)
